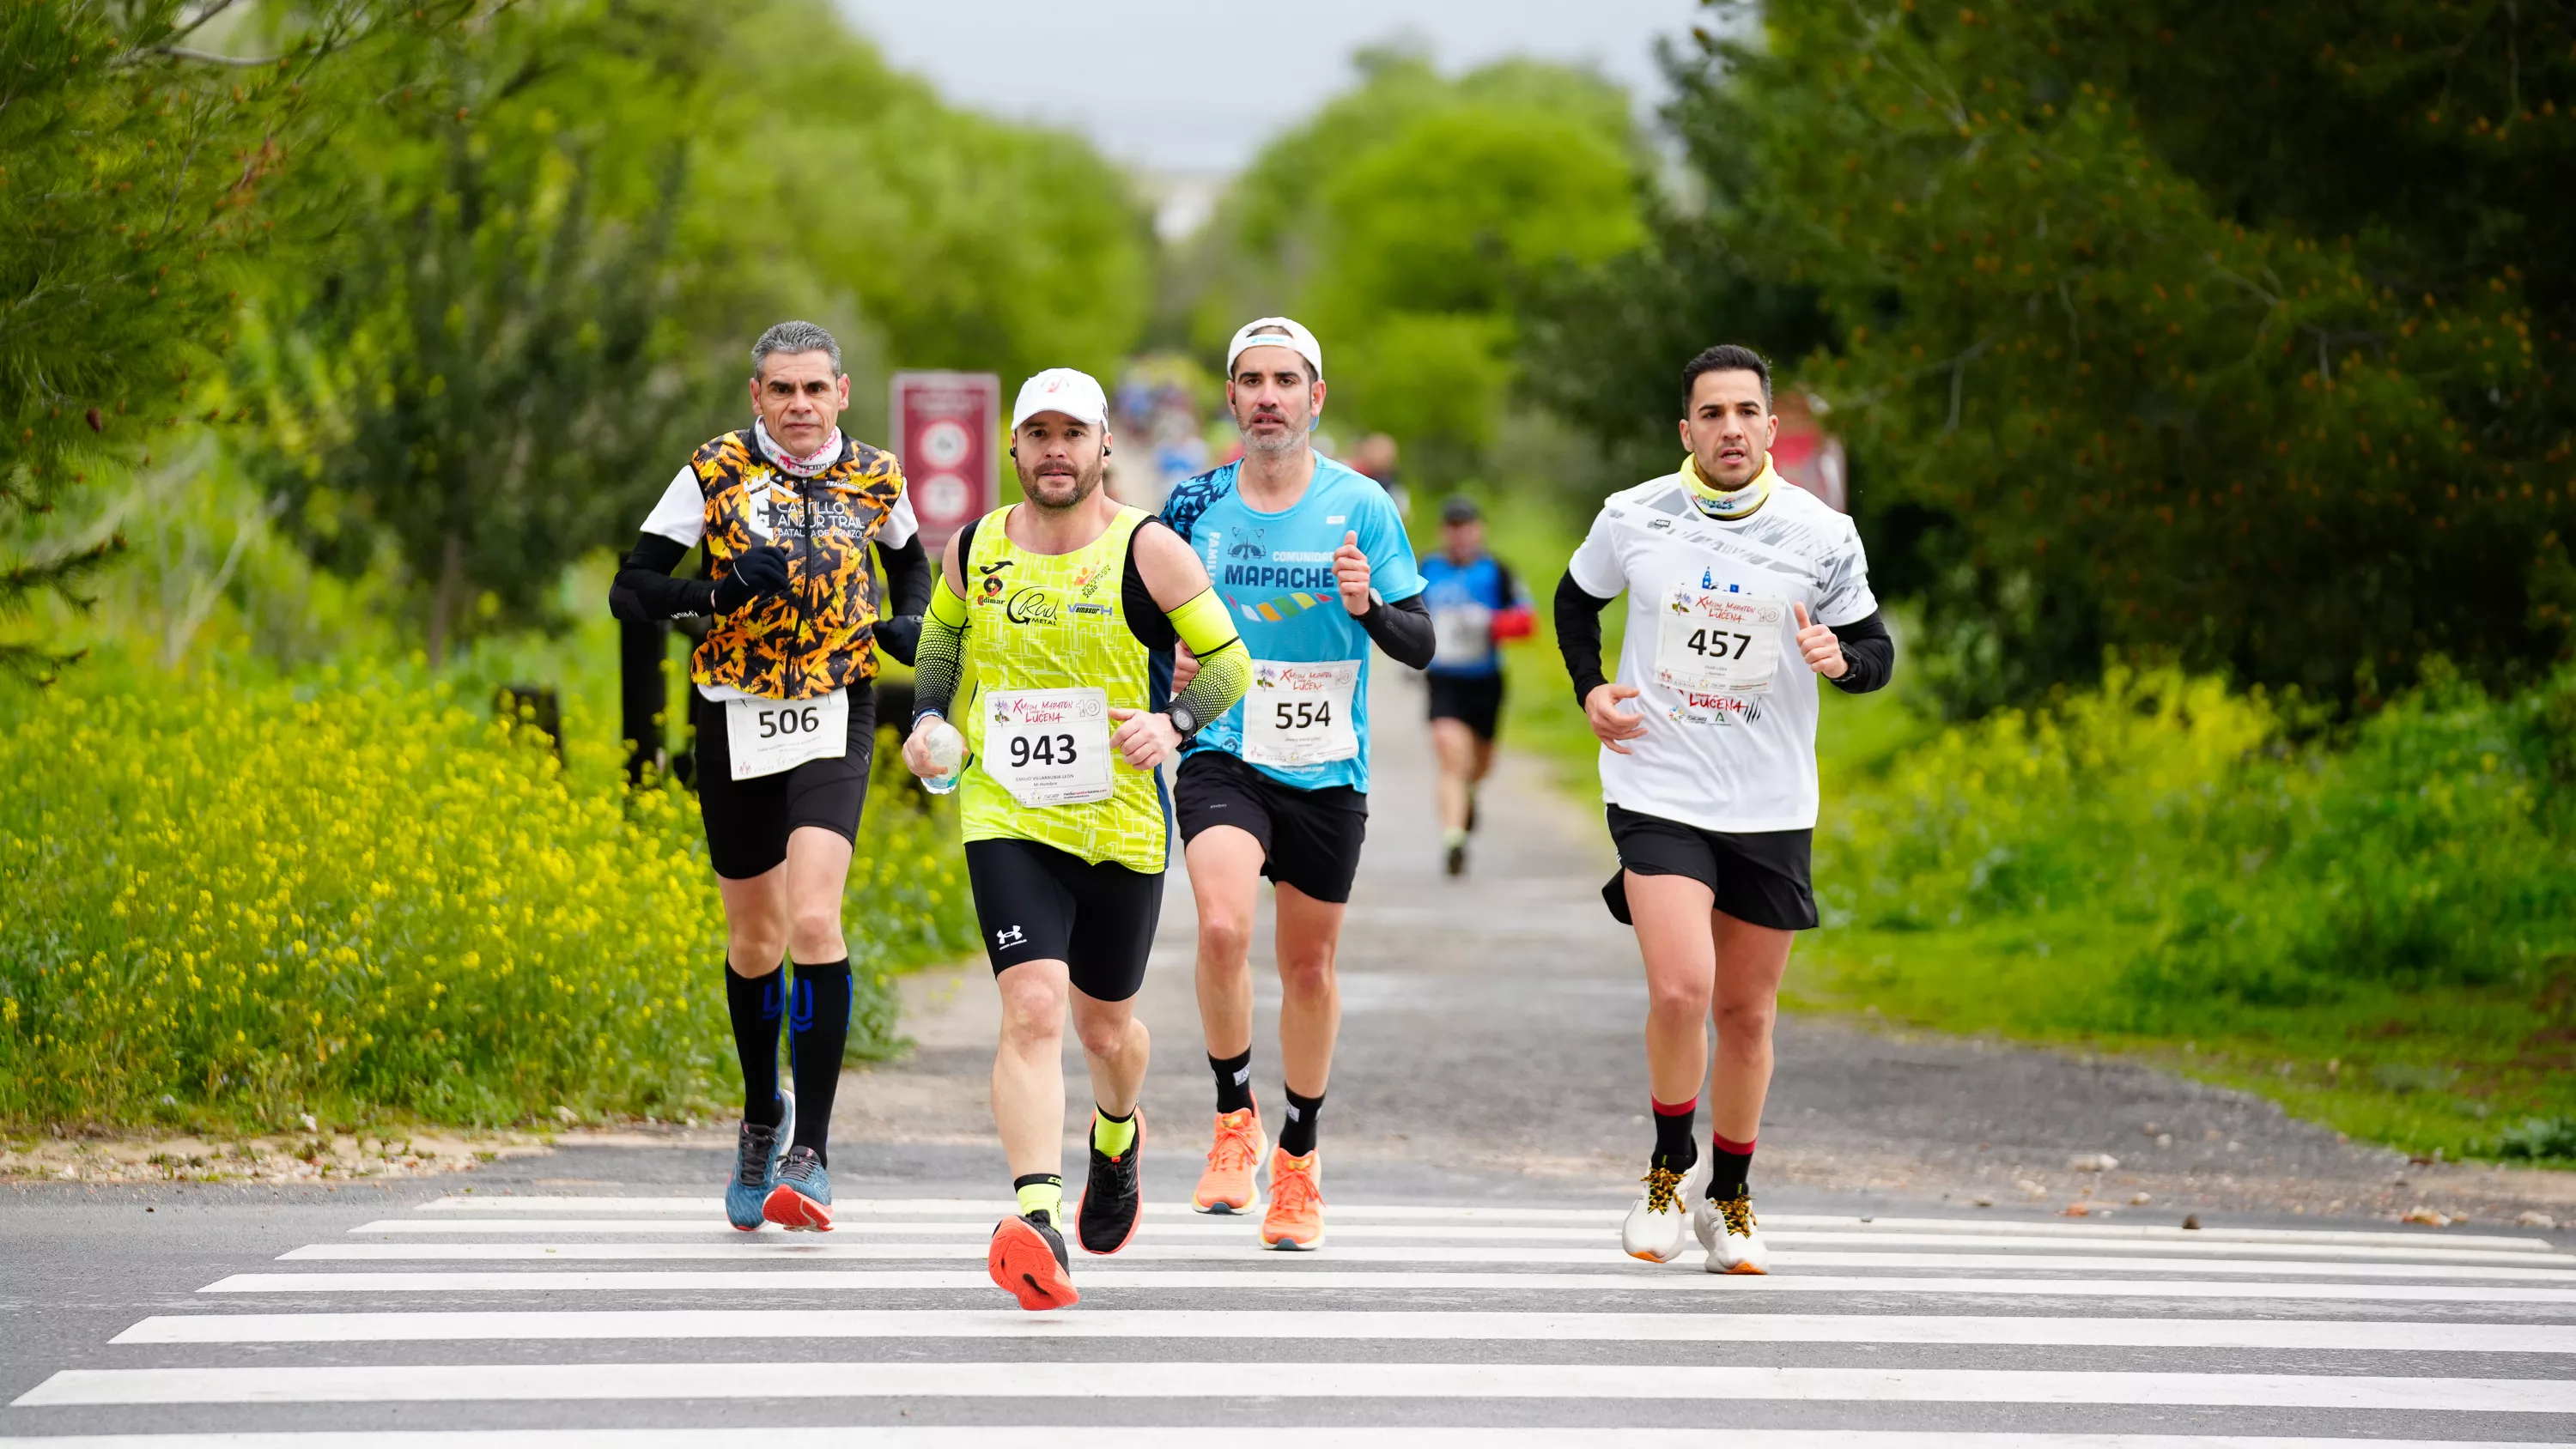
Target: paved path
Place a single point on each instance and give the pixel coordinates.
(1480, 1139)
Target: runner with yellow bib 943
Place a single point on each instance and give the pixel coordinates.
(1067, 606)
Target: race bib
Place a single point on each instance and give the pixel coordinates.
(1049, 746)
(1462, 635)
(1300, 714)
(765, 736)
(1713, 643)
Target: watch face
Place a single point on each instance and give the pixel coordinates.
(1183, 720)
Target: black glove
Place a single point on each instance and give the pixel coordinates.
(898, 637)
(761, 571)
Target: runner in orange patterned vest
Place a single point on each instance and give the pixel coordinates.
(786, 725)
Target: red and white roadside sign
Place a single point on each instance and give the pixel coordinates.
(1808, 456)
(946, 431)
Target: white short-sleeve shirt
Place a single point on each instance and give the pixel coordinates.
(1724, 762)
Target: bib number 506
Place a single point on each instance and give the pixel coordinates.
(780, 723)
(1027, 750)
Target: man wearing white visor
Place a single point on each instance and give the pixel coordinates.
(1313, 566)
(1069, 605)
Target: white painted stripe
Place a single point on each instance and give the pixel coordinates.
(486, 1383)
(1667, 1280)
(1245, 1229)
(817, 1246)
(753, 1323)
(986, 1210)
(1090, 1436)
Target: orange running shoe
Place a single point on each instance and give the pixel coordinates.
(1295, 1222)
(1027, 1260)
(1226, 1186)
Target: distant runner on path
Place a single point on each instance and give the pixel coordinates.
(1711, 786)
(1312, 560)
(786, 726)
(1067, 605)
(1476, 603)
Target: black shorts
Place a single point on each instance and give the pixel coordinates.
(1475, 700)
(1038, 903)
(748, 820)
(1310, 839)
(1760, 878)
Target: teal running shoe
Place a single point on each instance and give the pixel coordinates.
(755, 1165)
(802, 1200)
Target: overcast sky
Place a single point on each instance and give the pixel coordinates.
(1189, 87)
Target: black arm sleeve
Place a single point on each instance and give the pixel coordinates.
(1578, 636)
(1402, 629)
(908, 581)
(644, 589)
(1870, 651)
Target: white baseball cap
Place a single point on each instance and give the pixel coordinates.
(1064, 390)
(1276, 332)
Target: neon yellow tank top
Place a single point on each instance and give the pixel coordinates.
(1058, 621)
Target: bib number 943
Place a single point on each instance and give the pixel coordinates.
(1049, 746)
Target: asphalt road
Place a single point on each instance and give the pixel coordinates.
(1481, 1136)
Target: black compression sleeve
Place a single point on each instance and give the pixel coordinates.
(644, 589)
(1402, 629)
(908, 576)
(1870, 651)
(1578, 636)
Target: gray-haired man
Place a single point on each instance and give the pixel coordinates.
(786, 725)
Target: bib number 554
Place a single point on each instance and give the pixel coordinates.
(1304, 714)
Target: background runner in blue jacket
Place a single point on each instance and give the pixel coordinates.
(1476, 603)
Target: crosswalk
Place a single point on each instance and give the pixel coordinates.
(579, 1322)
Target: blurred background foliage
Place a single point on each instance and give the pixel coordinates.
(2204, 374)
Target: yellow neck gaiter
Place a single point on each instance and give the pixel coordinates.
(1717, 502)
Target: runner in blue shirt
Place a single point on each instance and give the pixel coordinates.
(1311, 557)
(1475, 604)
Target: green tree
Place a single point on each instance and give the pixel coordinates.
(139, 167)
(2233, 336)
(498, 348)
(1400, 222)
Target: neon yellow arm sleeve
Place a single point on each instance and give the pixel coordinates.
(940, 657)
(1225, 666)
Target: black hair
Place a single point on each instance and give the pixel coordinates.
(1726, 357)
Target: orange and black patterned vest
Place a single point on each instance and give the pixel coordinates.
(820, 635)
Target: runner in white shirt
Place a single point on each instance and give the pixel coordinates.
(1741, 591)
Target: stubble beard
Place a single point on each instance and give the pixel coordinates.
(1287, 440)
(1086, 482)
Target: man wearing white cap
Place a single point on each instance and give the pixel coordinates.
(1069, 605)
(1312, 562)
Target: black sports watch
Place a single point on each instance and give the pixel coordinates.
(1182, 720)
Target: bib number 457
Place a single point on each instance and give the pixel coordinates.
(1715, 644)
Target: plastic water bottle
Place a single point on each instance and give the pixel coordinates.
(947, 750)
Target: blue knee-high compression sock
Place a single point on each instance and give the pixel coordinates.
(818, 1027)
(756, 1003)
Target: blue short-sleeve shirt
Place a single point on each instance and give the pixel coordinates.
(1275, 573)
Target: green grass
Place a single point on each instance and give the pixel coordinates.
(2381, 936)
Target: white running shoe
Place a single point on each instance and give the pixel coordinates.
(1654, 1227)
(1733, 1239)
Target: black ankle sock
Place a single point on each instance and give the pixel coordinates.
(818, 1027)
(1676, 1145)
(755, 1003)
(1730, 1169)
(1297, 1134)
(1233, 1081)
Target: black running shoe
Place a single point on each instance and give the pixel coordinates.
(1027, 1260)
(1113, 1196)
(1457, 864)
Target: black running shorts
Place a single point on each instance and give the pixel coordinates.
(1475, 700)
(1038, 903)
(1760, 877)
(748, 820)
(1310, 839)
